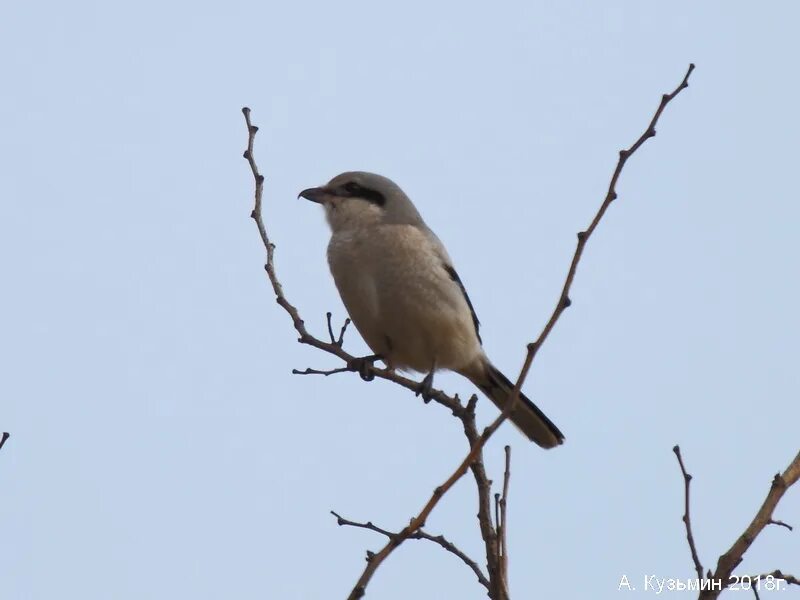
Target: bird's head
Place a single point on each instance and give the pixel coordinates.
(357, 199)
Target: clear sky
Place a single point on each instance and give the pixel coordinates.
(161, 447)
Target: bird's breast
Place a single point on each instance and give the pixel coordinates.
(400, 297)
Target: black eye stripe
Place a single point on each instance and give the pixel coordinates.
(354, 190)
(372, 196)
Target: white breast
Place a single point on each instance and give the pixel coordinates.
(400, 297)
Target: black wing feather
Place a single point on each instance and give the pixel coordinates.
(454, 276)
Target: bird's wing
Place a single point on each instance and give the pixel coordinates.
(447, 265)
(454, 276)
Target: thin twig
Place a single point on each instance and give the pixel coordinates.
(3, 439)
(340, 341)
(328, 316)
(731, 559)
(780, 523)
(421, 535)
(777, 574)
(687, 520)
(583, 236)
(502, 528)
(310, 371)
(757, 580)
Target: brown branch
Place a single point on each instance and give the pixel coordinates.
(756, 581)
(583, 236)
(418, 521)
(484, 487)
(776, 574)
(733, 557)
(502, 528)
(687, 520)
(3, 439)
(422, 535)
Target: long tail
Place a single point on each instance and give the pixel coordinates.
(526, 415)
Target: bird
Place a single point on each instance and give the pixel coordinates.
(404, 295)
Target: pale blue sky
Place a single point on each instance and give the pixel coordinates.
(162, 449)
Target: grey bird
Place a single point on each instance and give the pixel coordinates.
(404, 295)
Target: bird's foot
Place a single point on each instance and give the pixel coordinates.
(425, 388)
(364, 366)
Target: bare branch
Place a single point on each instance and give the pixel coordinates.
(340, 341)
(3, 439)
(776, 574)
(421, 535)
(780, 523)
(328, 316)
(687, 521)
(341, 521)
(334, 340)
(309, 371)
(502, 528)
(733, 557)
(583, 236)
(758, 580)
(484, 487)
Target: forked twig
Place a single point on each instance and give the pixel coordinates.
(733, 557)
(722, 576)
(421, 535)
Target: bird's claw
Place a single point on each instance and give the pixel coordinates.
(364, 366)
(425, 388)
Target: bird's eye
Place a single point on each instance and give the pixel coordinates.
(351, 187)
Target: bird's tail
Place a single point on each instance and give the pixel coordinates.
(526, 415)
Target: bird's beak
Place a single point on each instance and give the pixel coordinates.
(315, 194)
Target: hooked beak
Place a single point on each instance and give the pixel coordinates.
(315, 194)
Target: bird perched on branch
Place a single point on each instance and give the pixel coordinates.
(404, 295)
